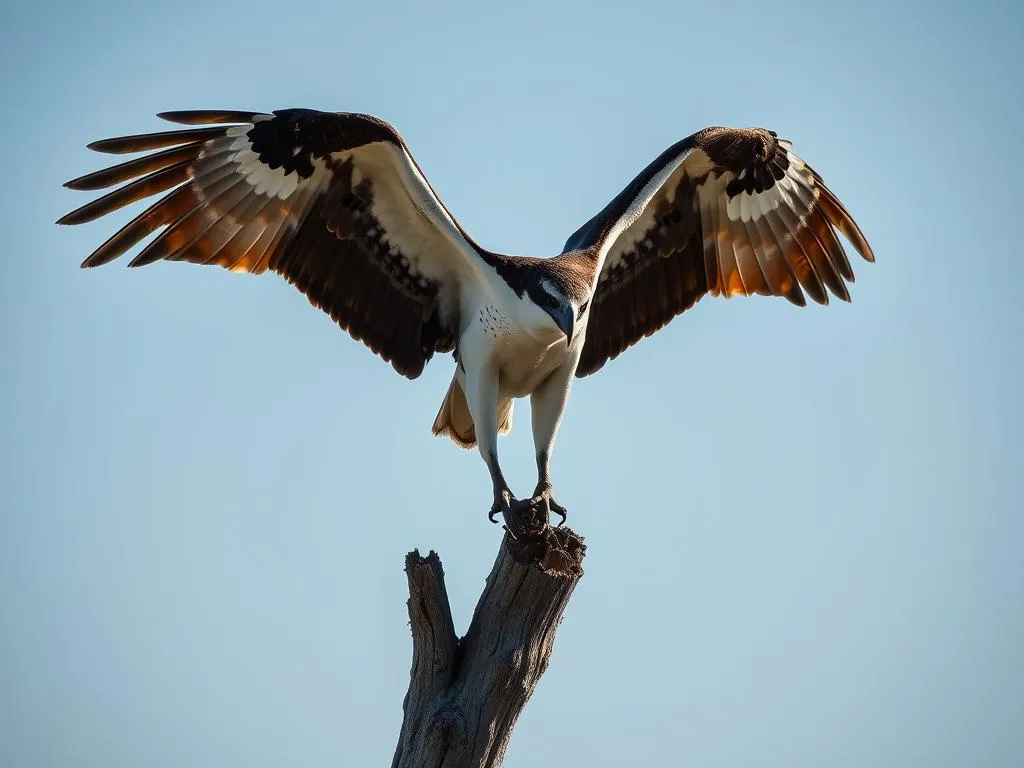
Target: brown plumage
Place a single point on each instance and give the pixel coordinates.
(739, 215)
(321, 236)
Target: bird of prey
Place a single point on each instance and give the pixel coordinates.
(335, 203)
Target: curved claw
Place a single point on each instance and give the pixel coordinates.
(505, 522)
(559, 510)
(503, 502)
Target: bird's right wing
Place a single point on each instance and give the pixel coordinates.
(726, 211)
(333, 202)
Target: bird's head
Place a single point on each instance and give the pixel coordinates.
(560, 310)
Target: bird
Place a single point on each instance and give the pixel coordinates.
(335, 204)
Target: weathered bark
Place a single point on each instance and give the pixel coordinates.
(465, 695)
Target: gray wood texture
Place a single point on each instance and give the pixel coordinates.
(466, 694)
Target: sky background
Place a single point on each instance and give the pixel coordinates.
(804, 526)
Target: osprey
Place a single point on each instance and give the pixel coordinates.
(336, 204)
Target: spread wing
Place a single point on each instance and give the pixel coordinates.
(332, 202)
(730, 212)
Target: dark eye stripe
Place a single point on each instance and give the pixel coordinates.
(582, 309)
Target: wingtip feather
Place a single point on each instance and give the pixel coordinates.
(207, 116)
(840, 218)
(140, 142)
(100, 145)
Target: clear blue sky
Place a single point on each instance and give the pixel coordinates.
(804, 526)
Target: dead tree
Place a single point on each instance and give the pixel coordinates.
(466, 694)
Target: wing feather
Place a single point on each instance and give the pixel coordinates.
(839, 218)
(779, 277)
(137, 167)
(208, 116)
(837, 254)
(745, 237)
(707, 208)
(141, 142)
(756, 220)
(729, 281)
(832, 257)
(177, 241)
(799, 258)
(658, 282)
(641, 292)
(754, 277)
(164, 211)
(154, 183)
(333, 202)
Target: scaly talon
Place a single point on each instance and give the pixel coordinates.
(558, 509)
(503, 501)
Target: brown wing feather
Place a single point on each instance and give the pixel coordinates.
(283, 193)
(739, 215)
(674, 263)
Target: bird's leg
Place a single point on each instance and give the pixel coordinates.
(547, 404)
(482, 399)
(543, 494)
(503, 498)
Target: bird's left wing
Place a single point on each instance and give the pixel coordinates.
(726, 211)
(333, 202)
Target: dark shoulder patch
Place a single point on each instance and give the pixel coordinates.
(514, 270)
(753, 153)
(294, 138)
(571, 272)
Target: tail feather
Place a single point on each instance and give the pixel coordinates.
(505, 415)
(455, 421)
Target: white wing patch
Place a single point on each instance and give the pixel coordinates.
(412, 219)
(791, 190)
(638, 220)
(266, 181)
(250, 207)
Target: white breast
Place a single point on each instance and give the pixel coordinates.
(495, 336)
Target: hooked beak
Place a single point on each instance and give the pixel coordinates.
(565, 318)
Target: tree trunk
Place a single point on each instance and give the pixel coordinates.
(465, 695)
